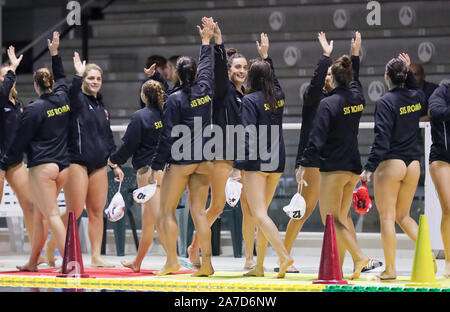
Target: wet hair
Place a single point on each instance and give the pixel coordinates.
(173, 60)
(186, 70)
(14, 92)
(397, 71)
(92, 66)
(260, 79)
(154, 92)
(158, 59)
(232, 54)
(43, 78)
(342, 70)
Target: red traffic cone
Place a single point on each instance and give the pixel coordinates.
(330, 269)
(72, 265)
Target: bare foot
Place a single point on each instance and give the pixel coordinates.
(284, 265)
(249, 264)
(447, 270)
(50, 253)
(358, 266)
(27, 267)
(131, 265)
(42, 260)
(386, 276)
(194, 256)
(100, 263)
(167, 269)
(205, 270)
(256, 271)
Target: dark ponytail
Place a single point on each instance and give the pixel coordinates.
(260, 79)
(342, 70)
(397, 71)
(187, 70)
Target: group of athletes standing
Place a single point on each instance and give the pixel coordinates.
(66, 136)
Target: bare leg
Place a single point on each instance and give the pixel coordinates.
(17, 177)
(219, 177)
(198, 186)
(331, 192)
(2, 183)
(311, 196)
(335, 185)
(97, 193)
(257, 184)
(149, 217)
(360, 260)
(173, 185)
(248, 232)
(40, 234)
(44, 184)
(405, 197)
(75, 191)
(261, 249)
(440, 173)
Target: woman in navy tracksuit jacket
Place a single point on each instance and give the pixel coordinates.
(316, 91)
(90, 144)
(439, 105)
(42, 135)
(188, 113)
(394, 157)
(333, 145)
(264, 162)
(140, 142)
(230, 73)
(11, 110)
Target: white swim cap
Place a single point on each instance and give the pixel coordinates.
(233, 191)
(116, 208)
(143, 194)
(296, 208)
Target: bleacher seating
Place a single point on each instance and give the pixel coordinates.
(134, 29)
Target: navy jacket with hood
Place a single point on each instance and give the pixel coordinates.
(90, 140)
(43, 129)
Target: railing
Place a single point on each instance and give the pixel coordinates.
(432, 205)
(84, 26)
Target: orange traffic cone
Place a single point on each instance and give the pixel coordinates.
(72, 265)
(330, 269)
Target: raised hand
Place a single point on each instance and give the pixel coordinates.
(13, 59)
(54, 44)
(405, 58)
(151, 70)
(263, 47)
(356, 44)
(80, 67)
(217, 33)
(207, 32)
(327, 48)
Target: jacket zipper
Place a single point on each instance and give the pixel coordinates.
(79, 135)
(226, 128)
(445, 136)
